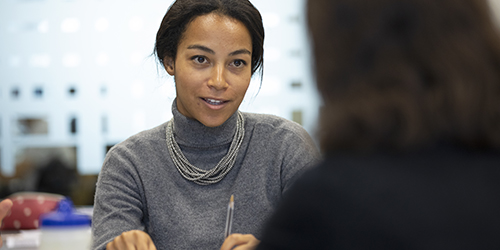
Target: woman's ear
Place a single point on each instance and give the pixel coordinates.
(168, 63)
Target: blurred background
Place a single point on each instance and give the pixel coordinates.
(78, 76)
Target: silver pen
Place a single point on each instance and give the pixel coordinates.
(229, 219)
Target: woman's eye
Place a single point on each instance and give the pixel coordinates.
(239, 63)
(199, 59)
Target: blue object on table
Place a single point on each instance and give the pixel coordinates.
(64, 215)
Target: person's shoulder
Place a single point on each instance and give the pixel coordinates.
(323, 170)
(311, 185)
(273, 122)
(144, 138)
(280, 130)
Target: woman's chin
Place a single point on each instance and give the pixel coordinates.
(213, 121)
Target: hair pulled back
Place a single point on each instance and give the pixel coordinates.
(182, 12)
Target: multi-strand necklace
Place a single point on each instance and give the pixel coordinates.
(200, 176)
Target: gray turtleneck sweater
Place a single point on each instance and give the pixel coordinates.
(140, 188)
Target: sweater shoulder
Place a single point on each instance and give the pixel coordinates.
(274, 122)
(282, 131)
(144, 138)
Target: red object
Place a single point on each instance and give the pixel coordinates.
(27, 208)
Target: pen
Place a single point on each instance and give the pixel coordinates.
(229, 219)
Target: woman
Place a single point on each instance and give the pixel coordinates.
(169, 187)
(410, 130)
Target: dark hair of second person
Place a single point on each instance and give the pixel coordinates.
(400, 74)
(410, 130)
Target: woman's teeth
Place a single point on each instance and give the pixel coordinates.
(213, 102)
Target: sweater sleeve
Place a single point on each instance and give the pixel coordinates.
(300, 154)
(118, 205)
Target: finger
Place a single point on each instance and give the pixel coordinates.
(229, 242)
(134, 240)
(119, 243)
(5, 206)
(244, 240)
(142, 240)
(110, 246)
(249, 243)
(125, 243)
(252, 245)
(151, 246)
(145, 244)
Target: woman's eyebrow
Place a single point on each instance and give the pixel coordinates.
(201, 47)
(208, 50)
(239, 52)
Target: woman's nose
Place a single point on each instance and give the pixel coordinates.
(217, 80)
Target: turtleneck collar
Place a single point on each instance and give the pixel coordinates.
(193, 133)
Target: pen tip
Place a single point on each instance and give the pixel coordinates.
(232, 198)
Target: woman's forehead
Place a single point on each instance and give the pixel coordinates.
(217, 31)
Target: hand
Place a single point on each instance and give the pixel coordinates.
(5, 206)
(240, 242)
(134, 239)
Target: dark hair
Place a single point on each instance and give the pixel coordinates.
(405, 73)
(182, 12)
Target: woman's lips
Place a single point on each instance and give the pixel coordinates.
(214, 103)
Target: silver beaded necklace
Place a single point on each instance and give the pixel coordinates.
(200, 176)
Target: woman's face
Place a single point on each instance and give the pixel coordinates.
(212, 69)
